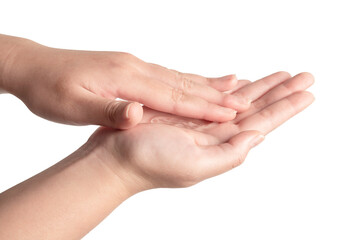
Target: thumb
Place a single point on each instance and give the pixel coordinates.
(225, 156)
(122, 115)
(109, 113)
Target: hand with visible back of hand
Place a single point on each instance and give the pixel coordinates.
(81, 87)
(70, 198)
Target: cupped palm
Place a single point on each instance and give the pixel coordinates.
(171, 151)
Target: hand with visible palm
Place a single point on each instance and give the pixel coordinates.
(172, 151)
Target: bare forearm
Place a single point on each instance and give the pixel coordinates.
(63, 202)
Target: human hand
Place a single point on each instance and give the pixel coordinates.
(80, 87)
(172, 151)
(70, 198)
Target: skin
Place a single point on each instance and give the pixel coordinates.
(69, 199)
(81, 87)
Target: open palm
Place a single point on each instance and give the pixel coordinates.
(173, 151)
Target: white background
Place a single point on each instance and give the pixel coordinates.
(302, 182)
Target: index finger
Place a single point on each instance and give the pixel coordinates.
(176, 101)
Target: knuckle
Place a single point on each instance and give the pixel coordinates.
(259, 104)
(208, 81)
(177, 75)
(186, 83)
(126, 56)
(225, 97)
(177, 95)
(183, 81)
(290, 86)
(124, 65)
(240, 94)
(110, 111)
(266, 113)
(158, 66)
(122, 60)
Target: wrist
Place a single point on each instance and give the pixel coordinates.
(127, 181)
(10, 48)
(130, 179)
(64, 201)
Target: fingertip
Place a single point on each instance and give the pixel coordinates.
(134, 111)
(307, 77)
(283, 74)
(307, 74)
(224, 83)
(227, 114)
(237, 103)
(303, 98)
(309, 96)
(240, 84)
(219, 114)
(257, 139)
(132, 115)
(231, 79)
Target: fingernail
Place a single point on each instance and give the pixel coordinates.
(238, 103)
(246, 100)
(256, 140)
(233, 77)
(229, 111)
(127, 111)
